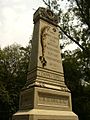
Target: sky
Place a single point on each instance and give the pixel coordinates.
(16, 21)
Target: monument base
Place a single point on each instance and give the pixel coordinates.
(37, 114)
(48, 104)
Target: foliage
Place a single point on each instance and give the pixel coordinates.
(52, 5)
(83, 11)
(13, 73)
(76, 75)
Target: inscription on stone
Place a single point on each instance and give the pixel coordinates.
(50, 75)
(53, 100)
(26, 99)
(52, 50)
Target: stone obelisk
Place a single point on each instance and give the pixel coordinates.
(45, 95)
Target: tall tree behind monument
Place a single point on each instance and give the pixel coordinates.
(45, 95)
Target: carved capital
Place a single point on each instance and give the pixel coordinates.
(46, 14)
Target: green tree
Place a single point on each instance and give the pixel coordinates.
(13, 74)
(75, 78)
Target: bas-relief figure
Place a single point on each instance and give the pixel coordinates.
(43, 35)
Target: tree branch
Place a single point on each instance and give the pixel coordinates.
(71, 38)
(47, 4)
(83, 15)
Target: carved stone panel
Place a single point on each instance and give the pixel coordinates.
(49, 39)
(26, 99)
(48, 99)
(50, 75)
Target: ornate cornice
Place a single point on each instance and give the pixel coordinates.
(45, 14)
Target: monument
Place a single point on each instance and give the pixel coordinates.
(45, 95)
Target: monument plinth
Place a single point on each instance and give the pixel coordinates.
(45, 95)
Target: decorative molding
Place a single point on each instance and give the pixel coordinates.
(46, 14)
(49, 99)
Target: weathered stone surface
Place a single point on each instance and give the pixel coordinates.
(38, 114)
(46, 64)
(45, 95)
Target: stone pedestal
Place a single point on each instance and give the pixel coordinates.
(45, 95)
